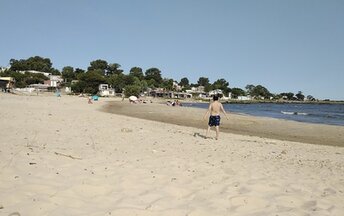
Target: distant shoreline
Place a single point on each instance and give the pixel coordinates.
(283, 102)
(202, 100)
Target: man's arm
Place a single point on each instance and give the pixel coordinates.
(223, 110)
(208, 111)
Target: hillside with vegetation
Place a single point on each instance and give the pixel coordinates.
(134, 81)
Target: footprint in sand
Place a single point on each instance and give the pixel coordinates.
(248, 203)
(126, 130)
(328, 192)
(14, 214)
(309, 204)
(290, 201)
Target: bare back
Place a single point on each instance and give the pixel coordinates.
(215, 108)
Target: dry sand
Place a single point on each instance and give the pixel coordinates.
(62, 156)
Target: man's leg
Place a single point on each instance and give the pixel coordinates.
(207, 132)
(217, 132)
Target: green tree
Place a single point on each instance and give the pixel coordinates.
(310, 98)
(137, 72)
(194, 85)
(117, 81)
(144, 85)
(300, 96)
(184, 82)
(68, 74)
(237, 92)
(152, 83)
(36, 63)
(88, 82)
(249, 88)
(98, 65)
(221, 84)
(113, 69)
(132, 90)
(55, 71)
(277, 96)
(260, 91)
(289, 95)
(23, 80)
(153, 74)
(203, 81)
(129, 79)
(79, 87)
(35, 78)
(79, 71)
(20, 80)
(167, 84)
(39, 64)
(18, 65)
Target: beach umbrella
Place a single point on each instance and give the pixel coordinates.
(133, 98)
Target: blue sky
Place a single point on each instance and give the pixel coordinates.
(286, 46)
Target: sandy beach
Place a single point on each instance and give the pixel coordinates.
(63, 156)
(237, 123)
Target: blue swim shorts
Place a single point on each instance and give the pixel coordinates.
(214, 120)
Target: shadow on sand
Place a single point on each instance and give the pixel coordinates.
(200, 135)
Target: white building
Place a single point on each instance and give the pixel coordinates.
(6, 83)
(176, 86)
(244, 98)
(220, 94)
(106, 91)
(54, 80)
(37, 72)
(197, 90)
(217, 92)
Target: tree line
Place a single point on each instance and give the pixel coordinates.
(132, 83)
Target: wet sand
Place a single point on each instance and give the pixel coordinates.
(238, 124)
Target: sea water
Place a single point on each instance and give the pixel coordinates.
(331, 114)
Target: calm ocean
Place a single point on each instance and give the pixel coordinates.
(331, 114)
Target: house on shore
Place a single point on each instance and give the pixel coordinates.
(54, 81)
(176, 86)
(33, 88)
(6, 83)
(47, 74)
(160, 92)
(106, 91)
(244, 98)
(197, 91)
(217, 92)
(220, 94)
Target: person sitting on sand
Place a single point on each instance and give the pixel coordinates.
(214, 119)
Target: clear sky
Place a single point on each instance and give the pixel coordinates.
(286, 46)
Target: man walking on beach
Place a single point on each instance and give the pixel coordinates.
(214, 119)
